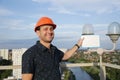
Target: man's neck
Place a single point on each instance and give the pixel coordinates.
(46, 44)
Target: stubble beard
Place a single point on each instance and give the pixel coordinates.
(48, 41)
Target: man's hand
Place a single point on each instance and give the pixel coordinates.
(70, 52)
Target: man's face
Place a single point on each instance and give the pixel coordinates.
(46, 33)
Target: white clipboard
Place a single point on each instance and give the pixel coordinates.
(91, 41)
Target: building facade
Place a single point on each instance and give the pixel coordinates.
(17, 60)
(4, 54)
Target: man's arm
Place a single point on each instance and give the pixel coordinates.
(27, 76)
(70, 52)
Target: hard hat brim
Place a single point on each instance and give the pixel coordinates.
(54, 26)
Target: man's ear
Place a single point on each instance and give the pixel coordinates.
(38, 32)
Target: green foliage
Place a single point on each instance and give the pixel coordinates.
(111, 73)
(5, 73)
(93, 71)
(68, 75)
(5, 62)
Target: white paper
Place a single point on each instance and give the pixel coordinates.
(91, 41)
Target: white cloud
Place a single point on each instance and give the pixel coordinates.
(76, 29)
(68, 32)
(14, 24)
(42, 1)
(77, 6)
(69, 26)
(36, 15)
(5, 12)
(72, 32)
(62, 10)
(67, 36)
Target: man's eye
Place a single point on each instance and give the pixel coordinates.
(46, 29)
(51, 29)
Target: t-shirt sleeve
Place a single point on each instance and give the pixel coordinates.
(61, 54)
(27, 62)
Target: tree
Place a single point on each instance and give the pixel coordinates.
(5, 73)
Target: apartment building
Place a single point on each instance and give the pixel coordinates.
(4, 54)
(17, 58)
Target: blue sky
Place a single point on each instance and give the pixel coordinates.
(18, 17)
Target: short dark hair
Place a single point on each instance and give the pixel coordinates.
(38, 28)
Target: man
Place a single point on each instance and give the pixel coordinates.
(41, 61)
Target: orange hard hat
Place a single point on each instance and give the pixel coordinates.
(44, 21)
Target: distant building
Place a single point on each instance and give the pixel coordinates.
(0, 57)
(17, 58)
(10, 54)
(63, 49)
(4, 53)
